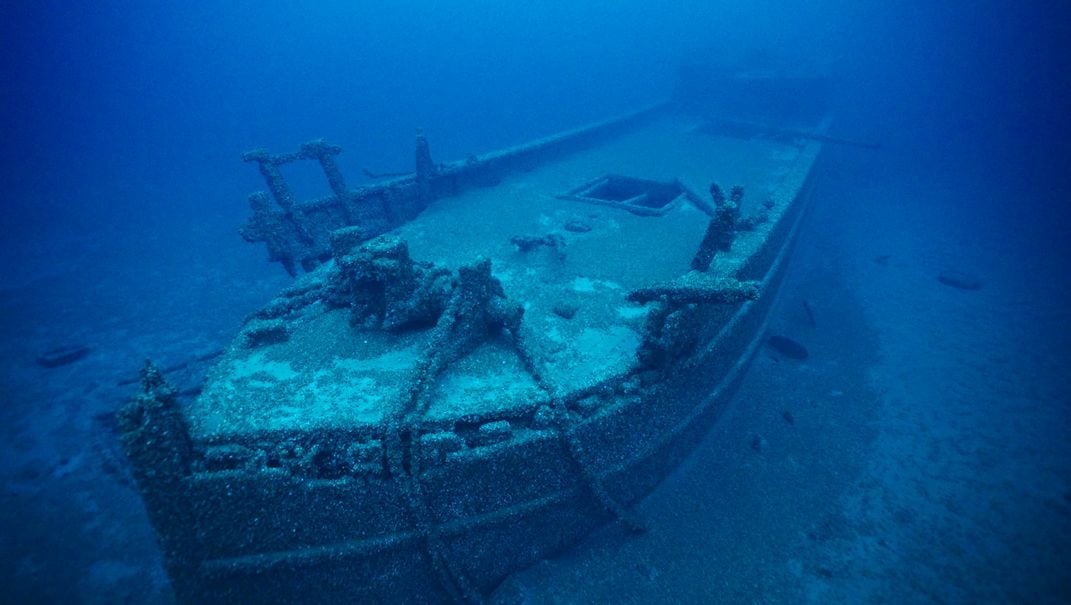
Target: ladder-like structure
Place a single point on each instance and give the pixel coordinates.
(298, 232)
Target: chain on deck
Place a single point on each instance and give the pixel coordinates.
(564, 429)
(402, 445)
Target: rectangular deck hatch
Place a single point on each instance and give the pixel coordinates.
(638, 196)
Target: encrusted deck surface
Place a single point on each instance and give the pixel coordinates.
(329, 375)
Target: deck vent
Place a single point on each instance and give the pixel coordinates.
(638, 196)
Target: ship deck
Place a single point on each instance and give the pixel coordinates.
(328, 375)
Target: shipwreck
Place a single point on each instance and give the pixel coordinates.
(481, 361)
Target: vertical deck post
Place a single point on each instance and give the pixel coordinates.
(156, 440)
(269, 169)
(722, 228)
(425, 168)
(325, 155)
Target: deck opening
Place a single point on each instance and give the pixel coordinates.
(639, 196)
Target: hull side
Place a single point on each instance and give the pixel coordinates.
(273, 538)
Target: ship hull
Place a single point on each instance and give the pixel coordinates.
(267, 537)
(443, 510)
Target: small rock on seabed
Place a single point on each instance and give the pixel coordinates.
(958, 279)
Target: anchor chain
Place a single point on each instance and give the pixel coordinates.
(402, 443)
(469, 310)
(575, 450)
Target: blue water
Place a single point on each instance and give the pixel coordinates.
(927, 459)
